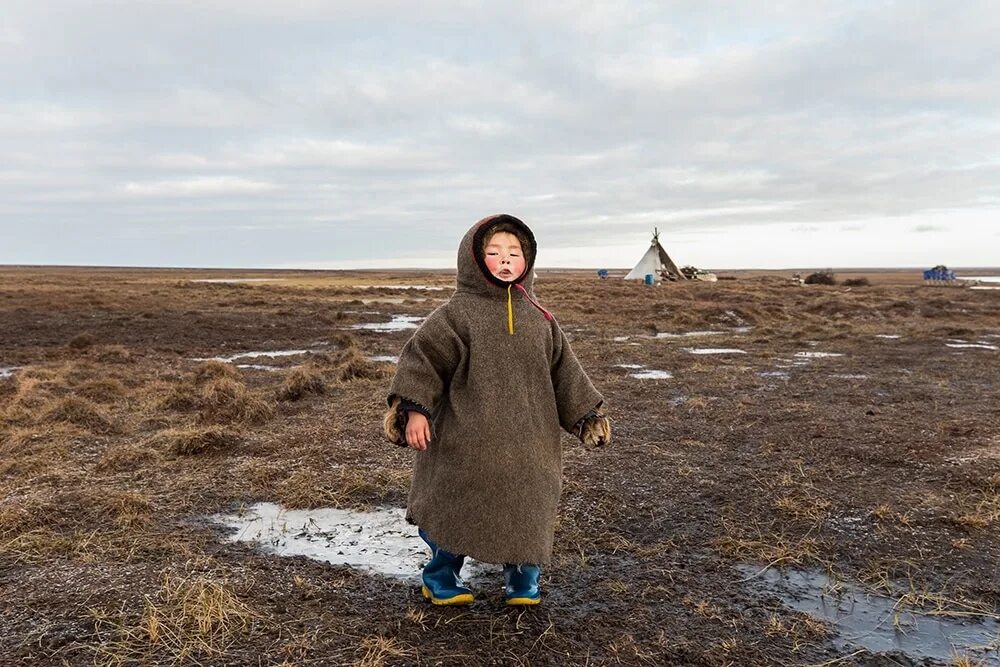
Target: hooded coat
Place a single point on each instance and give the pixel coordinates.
(488, 484)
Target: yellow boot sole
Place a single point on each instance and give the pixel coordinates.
(462, 598)
(523, 602)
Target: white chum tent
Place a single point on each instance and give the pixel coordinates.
(655, 262)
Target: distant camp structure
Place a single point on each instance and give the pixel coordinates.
(656, 262)
(939, 275)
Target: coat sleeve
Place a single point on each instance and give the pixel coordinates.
(575, 394)
(428, 362)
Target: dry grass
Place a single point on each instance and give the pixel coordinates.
(225, 400)
(197, 439)
(212, 370)
(375, 651)
(343, 487)
(114, 354)
(355, 365)
(301, 382)
(189, 619)
(105, 390)
(79, 412)
(126, 456)
(81, 341)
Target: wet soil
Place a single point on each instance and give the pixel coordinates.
(826, 445)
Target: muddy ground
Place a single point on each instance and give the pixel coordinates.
(880, 466)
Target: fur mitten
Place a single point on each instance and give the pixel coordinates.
(394, 424)
(594, 430)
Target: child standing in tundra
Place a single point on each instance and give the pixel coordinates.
(481, 391)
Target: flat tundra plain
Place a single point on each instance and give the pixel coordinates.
(759, 426)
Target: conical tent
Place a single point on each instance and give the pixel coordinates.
(655, 262)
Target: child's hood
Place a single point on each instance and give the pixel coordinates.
(473, 276)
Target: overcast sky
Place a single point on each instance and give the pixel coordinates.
(334, 134)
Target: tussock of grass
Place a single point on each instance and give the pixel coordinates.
(355, 365)
(375, 651)
(186, 619)
(80, 412)
(229, 401)
(213, 370)
(344, 340)
(114, 354)
(300, 383)
(126, 457)
(105, 390)
(81, 341)
(181, 397)
(195, 440)
(343, 487)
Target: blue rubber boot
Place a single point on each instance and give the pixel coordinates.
(442, 585)
(521, 584)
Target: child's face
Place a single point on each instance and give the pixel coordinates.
(504, 256)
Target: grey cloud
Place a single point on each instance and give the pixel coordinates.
(333, 123)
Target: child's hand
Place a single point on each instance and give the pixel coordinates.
(418, 431)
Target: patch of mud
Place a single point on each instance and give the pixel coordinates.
(380, 541)
(397, 323)
(878, 623)
(713, 350)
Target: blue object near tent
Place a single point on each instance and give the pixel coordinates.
(648, 279)
(939, 275)
(602, 273)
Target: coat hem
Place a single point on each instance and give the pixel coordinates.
(495, 557)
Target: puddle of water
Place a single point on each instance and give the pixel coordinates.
(397, 323)
(385, 359)
(849, 376)
(984, 287)
(651, 375)
(982, 279)
(629, 366)
(888, 336)
(404, 287)
(620, 339)
(236, 280)
(774, 374)
(254, 355)
(975, 346)
(713, 350)
(380, 541)
(262, 367)
(8, 371)
(874, 622)
(696, 334)
(816, 355)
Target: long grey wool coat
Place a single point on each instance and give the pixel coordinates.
(488, 483)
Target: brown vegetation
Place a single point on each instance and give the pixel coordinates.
(114, 448)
